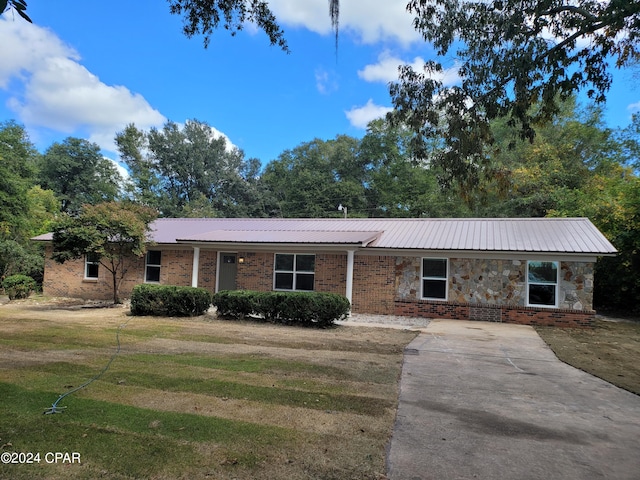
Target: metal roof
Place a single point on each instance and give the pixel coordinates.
(544, 235)
(283, 236)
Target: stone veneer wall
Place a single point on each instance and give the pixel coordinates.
(495, 290)
(478, 289)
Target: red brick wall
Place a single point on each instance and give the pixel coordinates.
(66, 280)
(495, 313)
(374, 284)
(331, 273)
(207, 269)
(176, 267)
(256, 273)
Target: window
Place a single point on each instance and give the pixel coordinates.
(542, 289)
(152, 266)
(91, 264)
(294, 271)
(434, 278)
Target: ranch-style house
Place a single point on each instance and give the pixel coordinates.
(530, 271)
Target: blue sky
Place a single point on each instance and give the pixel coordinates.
(87, 69)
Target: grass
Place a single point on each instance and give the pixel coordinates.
(203, 398)
(609, 351)
(194, 398)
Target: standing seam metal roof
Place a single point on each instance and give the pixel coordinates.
(560, 235)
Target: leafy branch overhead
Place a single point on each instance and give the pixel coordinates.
(512, 55)
(518, 59)
(205, 16)
(19, 6)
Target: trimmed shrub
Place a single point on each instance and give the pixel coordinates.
(169, 301)
(316, 309)
(234, 303)
(18, 286)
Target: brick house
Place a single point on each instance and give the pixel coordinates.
(530, 271)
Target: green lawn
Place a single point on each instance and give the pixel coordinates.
(193, 398)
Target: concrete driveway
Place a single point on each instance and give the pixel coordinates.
(491, 401)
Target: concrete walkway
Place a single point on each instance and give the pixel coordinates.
(491, 401)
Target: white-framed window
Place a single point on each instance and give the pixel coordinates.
(542, 283)
(153, 260)
(435, 278)
(91, 266)
(294, 271)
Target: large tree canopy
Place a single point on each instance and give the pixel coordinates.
(190, 170)
(78, 174)
(312, 179)
(512, 55)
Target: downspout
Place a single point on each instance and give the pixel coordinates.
(196, 266)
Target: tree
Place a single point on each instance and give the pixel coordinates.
(205, 16)
(513, 54)
(531, 179)
(18, 6)
(111, 231)
(143, 184)
(175, 166)
(17, 158)
(78, 174)
(20, 205)
(312, 179)
(399, 184)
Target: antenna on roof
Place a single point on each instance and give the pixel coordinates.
(341, 208)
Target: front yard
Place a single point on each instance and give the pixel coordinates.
(207, 398)
(193, 398)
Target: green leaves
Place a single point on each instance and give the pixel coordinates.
(513, 54)
(204, 16)
(78, 173)
(113, 231)
(19, 6)
(190, 171)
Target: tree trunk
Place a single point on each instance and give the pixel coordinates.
(116, 297)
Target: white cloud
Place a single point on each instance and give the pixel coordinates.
(386, 70)
(634, 107)
(361, 116)
(229, 145)
(371, 20)
(325, 81)
(56, 92)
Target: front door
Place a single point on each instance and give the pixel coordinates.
(228, 270)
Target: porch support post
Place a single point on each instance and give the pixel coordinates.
(349, 290)
(196, 266)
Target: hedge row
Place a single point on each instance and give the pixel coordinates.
(303, 308)
(169, 300)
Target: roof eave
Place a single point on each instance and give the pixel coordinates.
(520, 254)
(270, 246)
